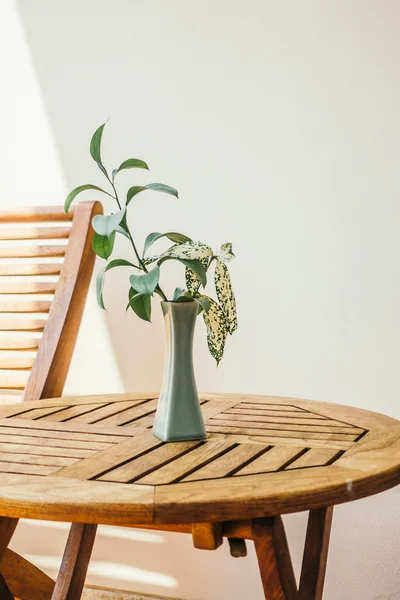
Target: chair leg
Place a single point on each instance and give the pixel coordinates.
(315, 554)
(75, 562)
(274, 560)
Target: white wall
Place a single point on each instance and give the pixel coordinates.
(279, 124)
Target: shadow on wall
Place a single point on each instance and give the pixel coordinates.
(83, 54)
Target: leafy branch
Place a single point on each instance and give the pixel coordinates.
(196, 257)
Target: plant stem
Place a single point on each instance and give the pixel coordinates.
(141, 263)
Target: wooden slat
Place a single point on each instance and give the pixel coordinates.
(297, 421)
(215, 407)
(34, 233)
(92, 467)
(36, 459)
(35, 450)
(243, 438)
(23, 469)
(38, 413)
(273, 460)
(262, 412)
(249, 429)
(108, 410)
(303, 427)
(183, 466)
(258, 403)
(315, 457)
(36, 214)
(14, 362)
(27, 287)
(25, 306)
(228, 463)
(140, 467)
(13, 268)
(22, 324)
(52, 442)
(70, 429)
(132, 414)
(13, 382)
(21, 251)
(31, 428)
(71, 412)
(19, 344)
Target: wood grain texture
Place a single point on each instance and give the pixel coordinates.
(215, 480)
(36, 214)
(75, 562)
(24, 579)
(315, 554)
(55, 351)
(274, 561)
(34, 233)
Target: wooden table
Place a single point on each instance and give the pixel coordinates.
(93, 460)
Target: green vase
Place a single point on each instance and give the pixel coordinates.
(178, 415)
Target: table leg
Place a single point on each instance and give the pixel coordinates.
(75, 562)
(274, 560)
(7, 528)
(315, 554)
(5, 593)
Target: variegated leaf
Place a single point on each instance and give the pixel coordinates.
(189, 251)
(225, 295)
(192, 282)
(216, 329)
(226, 253)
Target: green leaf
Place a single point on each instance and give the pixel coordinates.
(193, 265)
(204, 302)
(100, 287)
(216, 330)
(141, 305)
(177, 293)
(226, 253)
(71, 196)
(100, 279)
(160, 187)
(131, 163)
(226, 297)
(133, 191)
(171, 235)
(192, 282)
(107, 224)
(157, 187)
(103, 245)
(122, 231)
(95, 144)
(119, 262)
(147, 283)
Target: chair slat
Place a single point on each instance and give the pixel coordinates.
(36, 214)
(31, 251)
(34, 233)
(22, 324)
(16, 363)
(30, 269)
(19, 344)
(28, 287)
(13, 382)
(29, 306)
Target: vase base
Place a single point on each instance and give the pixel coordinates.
(177, 437)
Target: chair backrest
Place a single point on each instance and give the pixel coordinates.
(46, 262)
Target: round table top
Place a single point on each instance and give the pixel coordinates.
(94, 459)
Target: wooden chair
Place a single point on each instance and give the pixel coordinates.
(44, 254)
